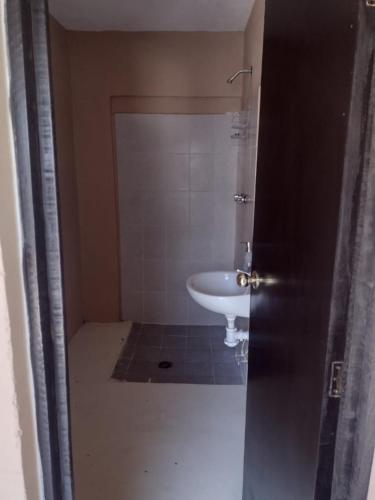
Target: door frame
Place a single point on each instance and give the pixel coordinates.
(352, 327)
(32, 120)
(352, 335)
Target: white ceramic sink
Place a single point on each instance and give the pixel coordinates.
(218, 291)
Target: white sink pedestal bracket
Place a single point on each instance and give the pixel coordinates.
(234, 336)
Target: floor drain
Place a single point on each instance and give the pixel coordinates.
(165, 364)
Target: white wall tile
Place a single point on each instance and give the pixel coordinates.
(165, 133)
(224, 248)
(178, 308)
(174, 133)
(132, 242)
(131, 306)
(225, 172)
(154, 307)
(153, 207)
(177, 208)
(176, 168)
(131, 208)
(177, 272)
(224, 265)
(154, 171)
(129, 131)
(201, 243)
(201, 134)
(154, 275)
(221, 133)
(224, 212)
(176, 179)
(219, 319)
(177, 242)
(246, 168)
(200, 316)
(132, 275)
(202, 265)
(201, 172)
(154, 242)
(160, 133)
(201, 209)
(130, 171)
(242, 163)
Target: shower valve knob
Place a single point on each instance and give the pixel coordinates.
(241, 198)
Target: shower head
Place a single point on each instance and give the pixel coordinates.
(240, 72)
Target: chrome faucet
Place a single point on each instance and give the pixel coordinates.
(247, 246)
(241, 271)
(247, 256)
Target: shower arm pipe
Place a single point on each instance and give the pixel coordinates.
(240, 72)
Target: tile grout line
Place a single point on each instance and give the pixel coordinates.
(212, 361)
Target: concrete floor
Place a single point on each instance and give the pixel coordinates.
(136, 441)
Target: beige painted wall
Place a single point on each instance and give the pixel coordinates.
(19, 462)
(66, 177)
(253, 50)
(129, 64)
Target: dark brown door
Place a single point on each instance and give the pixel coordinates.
(306, 87)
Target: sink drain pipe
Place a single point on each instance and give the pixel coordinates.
(234, 336)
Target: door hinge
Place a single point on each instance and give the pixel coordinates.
(336, 380)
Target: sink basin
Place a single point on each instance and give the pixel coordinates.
(218, 291)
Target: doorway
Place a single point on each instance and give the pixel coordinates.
(153, 142)
(134, 433)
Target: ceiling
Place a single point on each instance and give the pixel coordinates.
(152, 15)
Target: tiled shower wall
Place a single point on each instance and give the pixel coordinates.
(246, 177)
(176, 179)
(247, 154)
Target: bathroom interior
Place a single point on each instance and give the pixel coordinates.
(156, 115)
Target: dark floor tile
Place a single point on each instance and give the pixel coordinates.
(198, 369)
(228, 380)
(217, 343)
(136, 327)
(227, 369)
(167, 378)
(224, 355)
(199, 331)
(227, 365)
(177, 369)
(173, 355)
(119, 373)
(198, 355)
(147, 353)
(130, 343)
(137, 377)
(174, 341)
(150, 339)
(191, 350)
(217, 331)
(201, 379)
(152, 330)
(142, 369)
(132, 338)
(198, 343)
(128, 351)
(176, 330)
